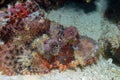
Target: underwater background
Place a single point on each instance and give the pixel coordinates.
(90, 21)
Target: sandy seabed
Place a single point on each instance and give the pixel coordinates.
(91, 24)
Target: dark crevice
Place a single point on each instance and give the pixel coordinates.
(112, 12)
(82, 4)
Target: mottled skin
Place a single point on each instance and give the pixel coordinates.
(31, 48)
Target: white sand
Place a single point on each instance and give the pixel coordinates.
(92, 25)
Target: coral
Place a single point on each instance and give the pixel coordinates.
(19, 11)
(20, 28)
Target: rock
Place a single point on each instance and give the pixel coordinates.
(111, 48)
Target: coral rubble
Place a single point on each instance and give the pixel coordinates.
(36, 45)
